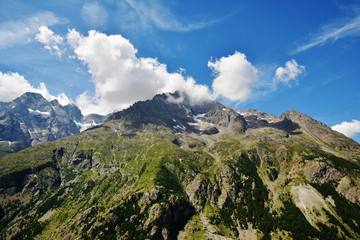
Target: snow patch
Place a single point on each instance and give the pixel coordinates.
(8, 142)
(181, 126)
(244, 114)
(84, 126)
(37, 112)
(200, 115)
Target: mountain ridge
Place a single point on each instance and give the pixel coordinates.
(166, 170)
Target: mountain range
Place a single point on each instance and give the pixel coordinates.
(166, 168)
(30, 119)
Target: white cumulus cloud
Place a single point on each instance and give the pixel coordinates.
(235, 77)
(349, 129)
(13, 85)
(121, 78)
(94, 14)
(290, 72)
(22, 31)
(50, 40)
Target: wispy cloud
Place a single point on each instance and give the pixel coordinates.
(94, 14)
(330, 33)
(23, 31)
(151, 14)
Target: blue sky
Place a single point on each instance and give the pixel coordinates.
(268, 55)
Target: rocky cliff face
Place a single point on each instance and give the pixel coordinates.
(165, 169)
(30, 119)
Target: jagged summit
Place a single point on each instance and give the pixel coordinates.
(30, 95)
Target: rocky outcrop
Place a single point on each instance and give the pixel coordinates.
(31, 180)
(349, 190)
(160, 217)
(321, 172)
(218, 190)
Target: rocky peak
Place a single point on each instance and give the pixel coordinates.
(199, 107)
(175, 111)
(95, 118)
(226, 117)
(74, 112)
(299, 117)
(32, 100)
(157, 111)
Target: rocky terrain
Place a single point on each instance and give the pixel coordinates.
(30, 119)
(166, 169)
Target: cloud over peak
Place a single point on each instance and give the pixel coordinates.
(121, 78)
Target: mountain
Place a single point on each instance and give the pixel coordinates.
(168, 169)
(30, 119)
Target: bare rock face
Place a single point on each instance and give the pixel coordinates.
(226, 117)
(320, 131)
(316, 171)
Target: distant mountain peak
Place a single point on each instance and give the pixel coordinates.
(30, 119)
(30, 97)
